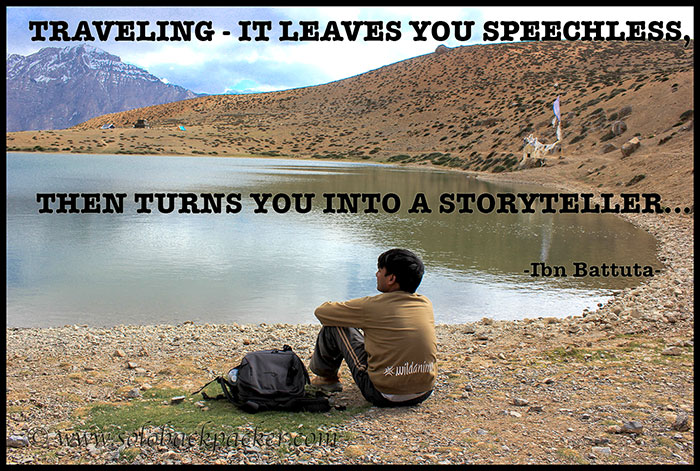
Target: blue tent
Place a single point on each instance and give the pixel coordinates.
(182, 128)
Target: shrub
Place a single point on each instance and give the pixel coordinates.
(607, 136)
(686, 115)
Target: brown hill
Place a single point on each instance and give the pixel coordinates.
(468, 107)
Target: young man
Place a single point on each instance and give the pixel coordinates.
(394, 362)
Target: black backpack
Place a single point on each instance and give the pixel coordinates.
(269, 380)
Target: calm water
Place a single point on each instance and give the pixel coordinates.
(131, 268)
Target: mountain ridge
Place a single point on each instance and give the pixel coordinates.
(57, 87)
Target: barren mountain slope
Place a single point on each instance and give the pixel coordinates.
(468, 107)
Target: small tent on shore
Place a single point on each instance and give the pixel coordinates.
(182, 128)
(107, 126)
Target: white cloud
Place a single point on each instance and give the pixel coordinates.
(213, 66)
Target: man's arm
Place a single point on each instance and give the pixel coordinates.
(351, 313)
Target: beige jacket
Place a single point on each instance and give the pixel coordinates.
(399, 331)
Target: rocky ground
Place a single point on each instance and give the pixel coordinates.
(610, 386)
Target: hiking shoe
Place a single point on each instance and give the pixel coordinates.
(327, 384)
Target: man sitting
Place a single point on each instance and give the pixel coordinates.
(394, 362)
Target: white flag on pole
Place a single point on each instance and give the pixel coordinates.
(555, 106)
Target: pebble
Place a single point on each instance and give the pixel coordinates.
(682, 423)
(672, 351)
(632, 427)
(601, 450)
(17, 441)
(614, 429)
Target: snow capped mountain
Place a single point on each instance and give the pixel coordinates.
(56, 88)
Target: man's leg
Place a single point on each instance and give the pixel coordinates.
(335, 344)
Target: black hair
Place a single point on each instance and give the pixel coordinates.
(406, 266)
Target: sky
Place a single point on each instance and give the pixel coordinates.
(225, 64)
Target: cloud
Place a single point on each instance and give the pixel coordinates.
(225, 63)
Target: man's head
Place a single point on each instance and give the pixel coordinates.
(399, 269)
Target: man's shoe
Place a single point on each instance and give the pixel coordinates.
(327, 384)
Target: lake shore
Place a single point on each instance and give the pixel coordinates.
(610, 386)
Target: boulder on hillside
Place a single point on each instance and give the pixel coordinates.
(618, 127)
(630, 146)
(441, 49)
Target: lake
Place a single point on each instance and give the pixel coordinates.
(128, 267)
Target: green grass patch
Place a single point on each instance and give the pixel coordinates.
(222, 424)
(571, 456)
(631, 346)
(578, 354)
(667, 442)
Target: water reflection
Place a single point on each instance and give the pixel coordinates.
(105, 269)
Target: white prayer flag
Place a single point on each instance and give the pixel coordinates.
(555, 106)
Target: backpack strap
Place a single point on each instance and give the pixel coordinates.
(229, 391)
(200, 389)
(306, 404)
